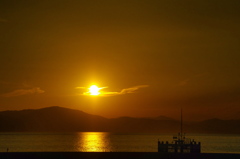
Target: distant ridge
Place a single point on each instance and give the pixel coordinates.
(163, 118)
(60, 119)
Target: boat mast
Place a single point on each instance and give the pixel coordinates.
(181, 126)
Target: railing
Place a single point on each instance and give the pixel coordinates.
(179, 147)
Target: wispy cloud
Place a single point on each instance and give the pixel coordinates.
(20, 92)
(121, 92)
(130, 90)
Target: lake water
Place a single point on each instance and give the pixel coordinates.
(109, 142)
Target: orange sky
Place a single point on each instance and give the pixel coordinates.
(185, 52)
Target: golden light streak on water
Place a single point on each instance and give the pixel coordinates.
(93, 142)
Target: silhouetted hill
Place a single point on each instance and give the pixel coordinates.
(50, 119)
(217, 126)
(163, 118)
(58, 119)
(128, 124)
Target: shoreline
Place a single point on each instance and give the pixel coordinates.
(115, 155)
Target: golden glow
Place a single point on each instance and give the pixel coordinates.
(93, 142)
(94, 90)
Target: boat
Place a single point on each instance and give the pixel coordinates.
(180, 144)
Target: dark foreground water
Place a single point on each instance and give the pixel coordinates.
(108, 142)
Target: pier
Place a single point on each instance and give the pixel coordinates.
(180, 144)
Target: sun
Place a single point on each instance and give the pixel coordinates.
(94, 90)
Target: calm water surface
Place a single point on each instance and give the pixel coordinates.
(108, 142)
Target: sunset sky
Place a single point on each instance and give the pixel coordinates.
(149, 57)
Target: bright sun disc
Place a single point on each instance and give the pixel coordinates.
(94, 90)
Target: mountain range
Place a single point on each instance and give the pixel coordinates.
(59, 119)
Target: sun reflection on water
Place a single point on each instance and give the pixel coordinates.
(93, 142)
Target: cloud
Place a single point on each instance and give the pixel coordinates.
(132, 89)
(20, 92)
(85, 91)
(123, 91)
(80, 87)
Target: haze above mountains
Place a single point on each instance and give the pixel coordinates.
(59, 119)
